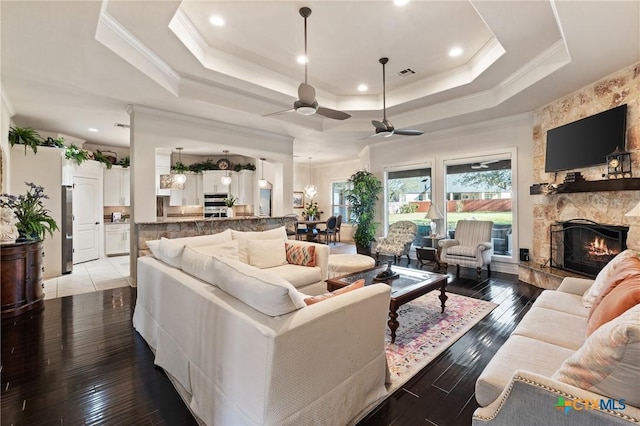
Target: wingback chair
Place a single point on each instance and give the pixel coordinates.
(470, 247)
(398, 241)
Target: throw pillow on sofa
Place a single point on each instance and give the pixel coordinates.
(266, 253)
(300, 255)
(198, 264)
(263, 291)
(624, 296)
(167, 251)
(628, 268)
(607, 362)
(229, 249)
(244, 236)
(328, 295)
(603, 278)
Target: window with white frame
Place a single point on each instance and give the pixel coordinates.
(481, 189)
(339, 204)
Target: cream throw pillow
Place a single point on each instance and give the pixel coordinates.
(167, 251)
(229, 249)
(607, 362)
(263, 291)
(245, 236)
(604, 277)
(266, 253)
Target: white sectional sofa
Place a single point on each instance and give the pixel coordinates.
(242, 346)
(574, 359)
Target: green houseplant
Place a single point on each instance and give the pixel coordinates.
(362, 197)
(25, 136)
(33, 218)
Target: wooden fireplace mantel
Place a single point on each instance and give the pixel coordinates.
(628, 184)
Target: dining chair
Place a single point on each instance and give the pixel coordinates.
(330, 229)
(338, 225)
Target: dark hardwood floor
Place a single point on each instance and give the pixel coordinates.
(81, 362)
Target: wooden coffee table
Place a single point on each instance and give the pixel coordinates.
(407, 286)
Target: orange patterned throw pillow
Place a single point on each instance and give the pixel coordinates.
(315, 299)
(301, 255)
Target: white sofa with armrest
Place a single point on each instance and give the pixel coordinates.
(320, 364)
(551, 372)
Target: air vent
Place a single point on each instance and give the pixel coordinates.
(406, 72)
(122, 125)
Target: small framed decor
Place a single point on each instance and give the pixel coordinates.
(298, 199)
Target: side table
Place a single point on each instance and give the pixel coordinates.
(429, 252)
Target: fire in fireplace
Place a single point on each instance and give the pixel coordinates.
(584, 246)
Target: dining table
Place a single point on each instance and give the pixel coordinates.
(311, 226)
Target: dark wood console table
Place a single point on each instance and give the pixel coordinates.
(21, 278)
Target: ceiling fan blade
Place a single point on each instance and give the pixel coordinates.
(408, 132)
(332, 113)
(306, 93)
(279, 112)
(379, 125)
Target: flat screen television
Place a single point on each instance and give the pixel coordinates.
(586, 142)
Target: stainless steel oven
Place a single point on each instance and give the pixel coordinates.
(214, 205)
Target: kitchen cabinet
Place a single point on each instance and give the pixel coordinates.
(116, 238)
(242, 186)
(163, 167)
(191, 195)
(117, 186)
(211, 182)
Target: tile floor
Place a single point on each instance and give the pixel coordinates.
(96, 275)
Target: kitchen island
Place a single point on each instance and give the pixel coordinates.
(191, 227)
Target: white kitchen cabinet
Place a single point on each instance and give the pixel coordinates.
(242, 186)
(116, 238)
(211, 182)
(191, 195)
(117, 186)
(163, 167)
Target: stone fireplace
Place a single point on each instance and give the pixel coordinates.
(596, 205)
(585, 247)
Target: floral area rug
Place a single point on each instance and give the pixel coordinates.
(425, 332)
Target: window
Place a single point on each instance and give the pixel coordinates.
(339, 204)
(482, 191)
(409, 198)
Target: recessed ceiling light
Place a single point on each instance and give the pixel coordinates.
(302, 59)
(456, 51)
(92, 129)
(216, 21)
(363, 88)
(400, 2)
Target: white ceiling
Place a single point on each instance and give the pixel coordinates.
(69, 66)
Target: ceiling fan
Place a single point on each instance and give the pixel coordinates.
(483, 165)
(307, 103)
(385, 126)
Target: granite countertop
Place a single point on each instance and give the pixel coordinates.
(199, 219)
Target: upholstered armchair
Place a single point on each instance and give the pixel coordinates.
(470, 247)
(398, 241)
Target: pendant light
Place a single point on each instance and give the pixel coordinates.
(226, 179)
(262, 182)
(310, 191)
(173, 180)
(178, 179)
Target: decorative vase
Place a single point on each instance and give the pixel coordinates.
(229, 211)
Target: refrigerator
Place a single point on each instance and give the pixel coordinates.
(66, 229)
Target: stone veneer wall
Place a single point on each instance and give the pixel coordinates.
(603, 207)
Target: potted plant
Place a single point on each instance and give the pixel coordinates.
(77, 155)
(33, 218)
(25, 136)
(362, 197)
(230, 202)
(311, 211)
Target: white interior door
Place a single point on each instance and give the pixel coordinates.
(87, 216)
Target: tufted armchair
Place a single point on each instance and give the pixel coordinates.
(398, 241)
(471, 246)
